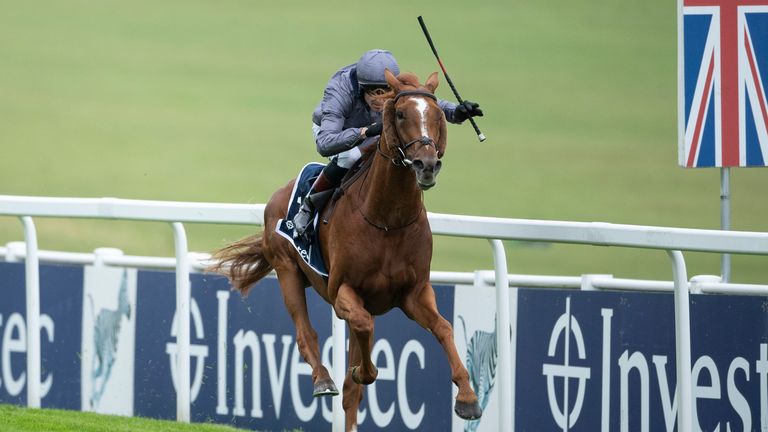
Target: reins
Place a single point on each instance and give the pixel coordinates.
(381, 227)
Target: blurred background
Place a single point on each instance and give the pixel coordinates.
(211, 101)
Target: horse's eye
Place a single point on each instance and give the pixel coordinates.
(400, 114)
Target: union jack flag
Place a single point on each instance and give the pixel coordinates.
(724, 72)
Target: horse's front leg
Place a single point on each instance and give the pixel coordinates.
(421, 307)
(350, 307)
(292, 287)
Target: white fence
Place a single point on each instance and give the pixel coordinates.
(671, 240)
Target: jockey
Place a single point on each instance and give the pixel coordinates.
(349, 117)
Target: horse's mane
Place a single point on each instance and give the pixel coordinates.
(409, 79)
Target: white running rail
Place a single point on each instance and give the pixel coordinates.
(671, 240)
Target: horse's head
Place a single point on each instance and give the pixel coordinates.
(414, 126)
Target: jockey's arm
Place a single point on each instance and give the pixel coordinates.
(458, 113)
(332, 137)
(448, 108)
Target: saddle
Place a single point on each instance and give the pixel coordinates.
(307, 245)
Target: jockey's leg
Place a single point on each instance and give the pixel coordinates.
(329, 178)
(421, 307)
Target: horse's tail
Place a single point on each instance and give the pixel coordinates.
(242, 262)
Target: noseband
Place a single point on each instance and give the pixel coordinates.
(401, 159)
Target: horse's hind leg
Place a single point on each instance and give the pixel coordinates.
(292, 286)
(421, 307)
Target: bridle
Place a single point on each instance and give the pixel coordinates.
(400, 159)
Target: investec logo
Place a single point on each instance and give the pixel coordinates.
(284, 367)
(565, 325)
(567, 378)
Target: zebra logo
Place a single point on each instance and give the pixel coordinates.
(106, 330)
(482, 356)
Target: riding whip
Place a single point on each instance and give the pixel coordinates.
(447, 78)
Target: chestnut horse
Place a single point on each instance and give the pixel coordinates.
(377, 247)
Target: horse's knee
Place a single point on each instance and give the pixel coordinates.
(361, 323)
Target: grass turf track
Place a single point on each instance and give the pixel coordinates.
(18, 419)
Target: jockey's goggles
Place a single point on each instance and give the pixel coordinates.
(376, 90)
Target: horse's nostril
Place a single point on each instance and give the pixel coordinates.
(418, 164)
(438, 165)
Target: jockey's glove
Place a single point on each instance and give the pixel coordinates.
(374, 129)
(466, 110)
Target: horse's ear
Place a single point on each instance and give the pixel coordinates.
(432, 82)
(392, 80)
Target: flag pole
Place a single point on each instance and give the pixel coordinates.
(725, 219)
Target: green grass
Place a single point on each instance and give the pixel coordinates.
(211, 101)
(17, 419)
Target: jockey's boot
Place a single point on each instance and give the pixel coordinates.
(309, 207)
(317, 196)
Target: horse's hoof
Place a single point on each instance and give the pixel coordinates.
(468, 411)
(353, 372)
(325, 387)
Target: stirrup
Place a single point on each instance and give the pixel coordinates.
(303, 218)
(309, 207)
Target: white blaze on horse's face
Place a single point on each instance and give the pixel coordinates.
(424, 158)
(422, 107)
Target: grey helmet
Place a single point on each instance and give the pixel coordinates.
(370, 67)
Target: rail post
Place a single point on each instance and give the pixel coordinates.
(339, 351)
(183, 298)
(506, 377)
(32, 273)
(682, 340)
